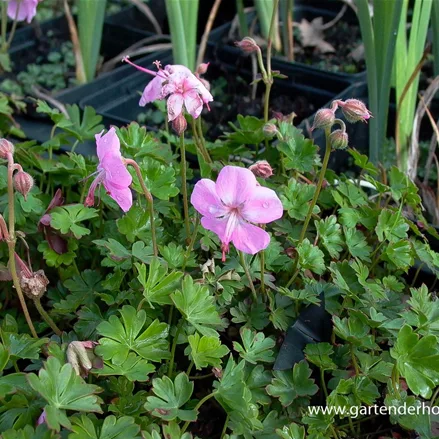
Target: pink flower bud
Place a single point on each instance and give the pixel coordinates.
(247, 45)
(206, 83)
(339, 139)
(355, 110)
(269, 130)
(23, 183)
(179, 124)
(324, 118)
(202, 68)
(6, 148)
(262, 169)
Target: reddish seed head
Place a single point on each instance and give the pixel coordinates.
(179, 124)
(339, 139)
(247, 45)
(6, 148)
(355, 110)
(262, 169)
(324, 118)
(23, 183)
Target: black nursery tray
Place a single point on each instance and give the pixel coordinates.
(221, 37)
(304, 92)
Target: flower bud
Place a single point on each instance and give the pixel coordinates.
(324, 118)
(338, 139)
(80, 355)
(247, 45)
(269, 130)
(179, 124)
(262, 169)
(23, 183)
(202, 68)
(205, 82)
(355, 110)
(6, 148)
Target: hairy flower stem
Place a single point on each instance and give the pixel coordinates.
(191, 244)
(314, 200)
(11, 241)
(196, 408)
(199, 142)
(4, 18)
(184, 186)
(149, 201)
(247, 273)
(226, 424)
(322, 379)
(46, 317)
(354, 361)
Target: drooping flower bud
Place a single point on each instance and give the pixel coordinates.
(179, 124)
(23, 183)
(202, 68)
(339, 139)
(262, 169)
(269, 130)
(247, 45)
(324, 118)
(6, 148)
(81, 356)
(354, 110)
(42, 418)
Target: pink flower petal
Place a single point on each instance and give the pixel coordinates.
(152, 91)
(175, 106)
(27, 9)
(123, 197)
(249, 238)
(193, 103)
(235, 185)
(205, 199)
(115, 171)
(216, 225)
(263, 207)
(107, 144)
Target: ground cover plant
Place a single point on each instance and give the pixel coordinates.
(175, 287)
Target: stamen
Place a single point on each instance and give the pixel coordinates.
(160, 73)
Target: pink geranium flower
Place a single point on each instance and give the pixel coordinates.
(179, 85)
(230, 205)
(112, 171)
(22, 9)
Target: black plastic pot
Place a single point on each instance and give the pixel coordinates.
(28, 47)
(221, 38)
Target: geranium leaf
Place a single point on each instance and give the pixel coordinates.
(255, 346)
(206, 350)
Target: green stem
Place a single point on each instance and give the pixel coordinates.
(191, 365)
(333, 431)
(322, 379)
(415, 277)
(191, 243)
(46, 317)
(354, 360)
(226, 422)
(247, 273)
(196, 408)
(351, 425)
(184, 185)
(74, 146)
(173, 348)
(11, 244)
(313, 202)
(203, 141)
(4, 6)
(262, 260)
(14, 26)
(149, 200)
(434, 397)
(201, 377)
(199, 144)
(139, 306)
(242, 19)
(319, 186)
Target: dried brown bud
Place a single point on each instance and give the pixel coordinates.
(262, 169)
(338, 139)
(6, 148)
(202, 68)
(179, 124)
(247, 45)
(354, 110)
(218, 372)
(34, 285)
(23, 183)
(324, 118)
